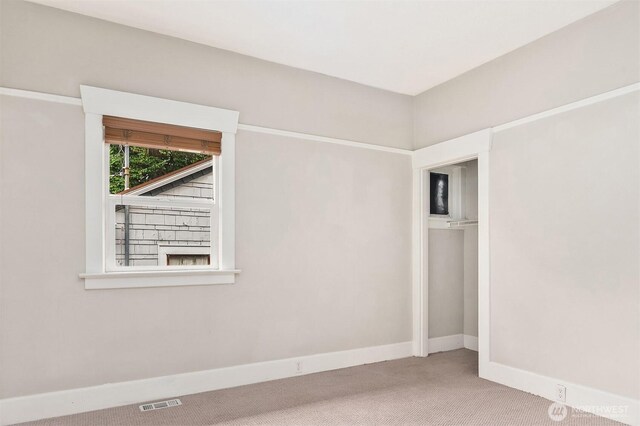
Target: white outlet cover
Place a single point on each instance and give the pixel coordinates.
(561, 393)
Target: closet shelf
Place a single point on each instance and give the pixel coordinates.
(461, 223)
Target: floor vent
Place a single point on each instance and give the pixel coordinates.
(160, 405)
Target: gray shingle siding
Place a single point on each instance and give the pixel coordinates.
(150, 227)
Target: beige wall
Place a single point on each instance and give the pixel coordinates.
(446, 282)
(53, 51)
(470, 261)
(471, 251)
(565, 226)
(453, 282)
(592, 56)
(322, 231)
(471, 189)
(323, 239)
(565, 280)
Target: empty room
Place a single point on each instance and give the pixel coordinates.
(320, 212)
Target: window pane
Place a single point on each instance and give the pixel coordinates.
(162, 236)
(188, 259)
(439, 191)
(160, 172)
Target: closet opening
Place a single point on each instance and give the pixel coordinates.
(451, 256)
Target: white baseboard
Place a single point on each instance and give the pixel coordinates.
(446, 343)
(615, 407)
(619, 408)
(471, 342)
(452, 342)
(61, 403)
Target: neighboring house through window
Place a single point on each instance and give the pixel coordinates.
(141, 231)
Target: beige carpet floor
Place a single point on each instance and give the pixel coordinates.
(443, 389)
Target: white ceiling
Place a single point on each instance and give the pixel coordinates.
(402, 46)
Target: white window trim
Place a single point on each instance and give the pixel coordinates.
(98, 102)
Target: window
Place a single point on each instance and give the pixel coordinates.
(162, 187)
(439, 192)
(160, 191)
(446, 201)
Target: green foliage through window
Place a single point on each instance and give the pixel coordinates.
(145, 164)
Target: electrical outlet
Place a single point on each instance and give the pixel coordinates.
(298, 367)
(561, 393)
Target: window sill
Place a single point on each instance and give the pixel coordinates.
(141, 279)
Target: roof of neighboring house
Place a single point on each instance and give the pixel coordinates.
(180, 176)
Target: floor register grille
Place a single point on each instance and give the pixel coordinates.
(160, 405)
